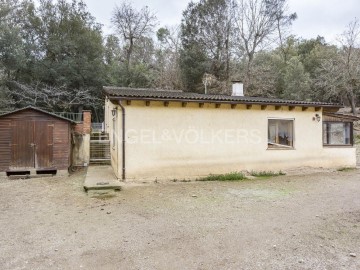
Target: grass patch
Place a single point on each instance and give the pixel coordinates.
(183, 180)
(346, 169)
(233, 176)
(266, 174)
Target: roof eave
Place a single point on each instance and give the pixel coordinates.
(333, 106)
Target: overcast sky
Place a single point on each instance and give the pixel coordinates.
(327, 18)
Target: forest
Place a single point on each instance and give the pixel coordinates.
(55, 55)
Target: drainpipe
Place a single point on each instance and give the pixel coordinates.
(123, 139)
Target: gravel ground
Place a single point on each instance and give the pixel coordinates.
(287, 222)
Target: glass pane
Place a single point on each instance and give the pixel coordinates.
(285, 133)
(347, 133)
(280, 133)
(272, 133)
(337, 133)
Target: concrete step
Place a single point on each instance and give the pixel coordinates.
(101, 178)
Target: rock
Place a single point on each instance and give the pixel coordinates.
(352, 254)
(194, 196)
(108, 213)
(301, 261)
(274, 246)
(56, 249)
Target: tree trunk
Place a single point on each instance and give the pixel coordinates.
(351, 98)
(129, 52)
(247, 79)
(227, 71)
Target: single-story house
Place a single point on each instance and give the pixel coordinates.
(175, 135)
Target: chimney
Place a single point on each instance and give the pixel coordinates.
(237, 89)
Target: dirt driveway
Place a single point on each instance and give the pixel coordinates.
(287, 222)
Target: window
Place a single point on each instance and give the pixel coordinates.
(337, 133)
(281, 133)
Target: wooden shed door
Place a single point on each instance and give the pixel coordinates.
(43, 140)
(32, 144)
(22, 148)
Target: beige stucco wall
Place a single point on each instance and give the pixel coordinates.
(113, 133)
(178, 142)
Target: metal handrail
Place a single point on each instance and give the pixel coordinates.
(97, 127)
(77, 117)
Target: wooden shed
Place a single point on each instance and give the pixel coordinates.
(33, 141)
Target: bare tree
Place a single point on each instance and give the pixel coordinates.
(340, 77)
(283, 21)
(50, 97)
(168, 58)
(350, 61)
(132, 25)
(258, 21)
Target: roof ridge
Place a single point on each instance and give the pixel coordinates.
(144, 89)
(39, 110)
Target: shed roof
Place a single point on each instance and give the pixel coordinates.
(342, 116)
(39, 110)
(166, 95)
